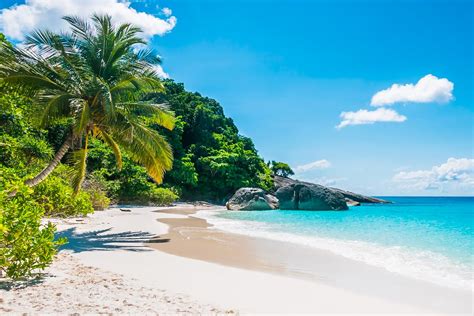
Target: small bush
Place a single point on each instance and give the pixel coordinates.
(96, 186)
(56, 197)
(25, 245)
(98, 198)
(161, 196)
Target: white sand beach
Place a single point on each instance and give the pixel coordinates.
(109, 267)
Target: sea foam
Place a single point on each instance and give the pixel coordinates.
(421, 265)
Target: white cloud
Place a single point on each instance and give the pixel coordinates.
(167, 11)
(19, 20)
(362, 117)
(455, 171)
(428, 89)
(318, 164)
(161, 73)
(328, 182)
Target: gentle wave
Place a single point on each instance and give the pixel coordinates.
(422, 265)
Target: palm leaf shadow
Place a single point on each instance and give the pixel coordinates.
(103, 240)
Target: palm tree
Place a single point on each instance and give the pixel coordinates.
(95, 75)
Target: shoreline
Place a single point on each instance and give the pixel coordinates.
(423, 265)
(113, 264)
(193, 237)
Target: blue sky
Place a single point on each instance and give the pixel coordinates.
(286, 70)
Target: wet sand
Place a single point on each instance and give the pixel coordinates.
(192, 237)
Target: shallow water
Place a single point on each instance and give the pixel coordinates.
(428, 238)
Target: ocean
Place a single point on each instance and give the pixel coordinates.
(427, 238)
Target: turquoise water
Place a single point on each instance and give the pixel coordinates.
(429, 238)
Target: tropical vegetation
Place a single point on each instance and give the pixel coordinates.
(85, 121)
(95, 78)
(280, 169)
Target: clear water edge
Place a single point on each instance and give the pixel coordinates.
(427, 238)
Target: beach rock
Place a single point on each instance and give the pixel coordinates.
(252, 199)
(359, 197)
(310, 197)
(287, 197)
(280, 182)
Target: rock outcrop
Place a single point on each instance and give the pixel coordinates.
(281, 182)
(252, 199)
(360, 198)
(310, 197)
(289, 194)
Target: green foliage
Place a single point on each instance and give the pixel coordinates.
(25, 244)
(23, 150)
(20, 143)
(161, 196)
(129, 185)
(57, 198)
(111, 102)
(281, 169)
(99, 199)
(96, 187)
(184, 172)
(212, 160)
(91, 80)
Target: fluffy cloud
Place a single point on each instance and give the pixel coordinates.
(362, 117)
(428, 89)
(455, 171)
(318, 164)
(18, 20)
(161, 73)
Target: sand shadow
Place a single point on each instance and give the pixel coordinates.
(102, 240)
(7, 284)
(99, 240)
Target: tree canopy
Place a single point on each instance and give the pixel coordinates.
(281, 169)
(212, 160)
(94, 77)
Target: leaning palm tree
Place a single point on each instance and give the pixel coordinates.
(95, 75)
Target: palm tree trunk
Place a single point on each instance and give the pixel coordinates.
(57, 158)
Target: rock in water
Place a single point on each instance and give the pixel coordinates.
(360, 198)
(287, 197)
(311, 197)
(252, 199)
(282, 182)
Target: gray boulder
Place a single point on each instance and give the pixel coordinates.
(252, 199)
(311, 197)
(360, 198)
(282, 182)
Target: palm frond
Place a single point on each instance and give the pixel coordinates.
(158, 113)
(83, 117)
(104, 95)
(80, 27)
(148, 55)
(32, 81)
(148, 148)
(138, 83)
(57, 107)
(114, 146)
(95, 75)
